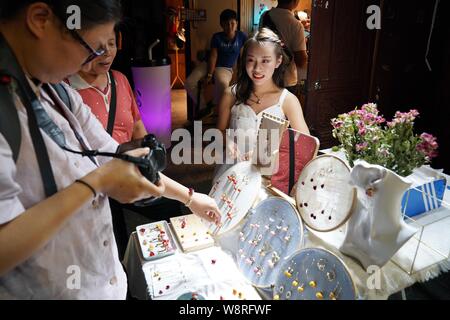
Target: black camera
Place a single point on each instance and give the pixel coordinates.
(151, 164)
(156, 159)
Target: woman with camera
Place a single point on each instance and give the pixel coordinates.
(47, 239)
(109, 96)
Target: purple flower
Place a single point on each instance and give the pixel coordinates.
(379, 120)
(375, 135)
(362, 130)
(428, 146)
(361, 146)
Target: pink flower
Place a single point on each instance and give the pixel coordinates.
(404, 117)
(370, 107)
(337, 123)
(379, 120)
(361, 113)
(361, 146)
(414, 113)
(375, 136)
(428, 146)
(362, 131)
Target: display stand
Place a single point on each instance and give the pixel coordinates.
(177, 70)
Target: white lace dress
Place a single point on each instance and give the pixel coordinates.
(244, 117)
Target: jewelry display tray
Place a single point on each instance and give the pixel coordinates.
(272, 231)
(314, 274)
(145, 235)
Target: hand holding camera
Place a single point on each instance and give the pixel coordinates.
(122, 181)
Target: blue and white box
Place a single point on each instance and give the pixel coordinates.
(426, 192)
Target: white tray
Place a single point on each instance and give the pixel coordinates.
(155, 240)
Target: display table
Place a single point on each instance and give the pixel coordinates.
(213, 273)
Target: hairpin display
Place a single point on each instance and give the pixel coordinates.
(234, 192)
(155, 240)
(272, 232)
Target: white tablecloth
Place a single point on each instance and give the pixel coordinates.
(210, 273)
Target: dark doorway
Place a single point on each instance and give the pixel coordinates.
(412, 69)
(341, 53)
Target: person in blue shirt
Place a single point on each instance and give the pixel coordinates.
(225, 49)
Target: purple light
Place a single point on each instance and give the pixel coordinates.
(152, 86)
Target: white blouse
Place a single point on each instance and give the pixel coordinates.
(244, 117)
(81, 260)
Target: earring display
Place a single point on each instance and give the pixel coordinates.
(324, 194)
(155, 240)
(314, 274)
(272, 232)
(234, 191)
(191, 233)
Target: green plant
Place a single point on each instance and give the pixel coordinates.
(364, 134)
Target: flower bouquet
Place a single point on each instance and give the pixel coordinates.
(366, 135)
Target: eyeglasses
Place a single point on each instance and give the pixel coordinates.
(92, 53)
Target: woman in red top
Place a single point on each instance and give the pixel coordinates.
(93, 83)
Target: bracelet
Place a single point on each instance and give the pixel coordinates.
(191, 193)
(87, 185)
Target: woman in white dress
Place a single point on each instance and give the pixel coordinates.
(259, 89)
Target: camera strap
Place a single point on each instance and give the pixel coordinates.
(62, 112)
(112, 105)
(9, 67)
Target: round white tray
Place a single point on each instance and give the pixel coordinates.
(324, 195)
(272, 232)
(314, 274)
(235, 191)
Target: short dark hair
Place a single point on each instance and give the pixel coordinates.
(93, 12)
(228, 15)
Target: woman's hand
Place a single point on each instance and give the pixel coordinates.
(233, 151)
(205, 207)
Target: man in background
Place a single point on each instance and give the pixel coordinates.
(292, 33)
(225, 49)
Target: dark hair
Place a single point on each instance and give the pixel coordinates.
(228, 15)
(285, 2)
(244, 85)
(93, 12)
